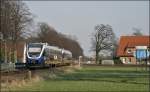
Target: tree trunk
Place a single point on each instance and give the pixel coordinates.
(14, 51)
(97, 57)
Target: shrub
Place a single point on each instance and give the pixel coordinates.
(117, 60)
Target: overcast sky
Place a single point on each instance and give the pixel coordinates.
(79, 17)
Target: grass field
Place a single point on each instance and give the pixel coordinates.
(98, 78)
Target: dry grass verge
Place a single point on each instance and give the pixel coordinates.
(16, 83)
(37, 76)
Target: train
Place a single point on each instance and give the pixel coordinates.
(41, 54)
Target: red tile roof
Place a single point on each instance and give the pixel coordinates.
(131, 42)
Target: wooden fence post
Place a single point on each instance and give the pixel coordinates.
(29, 75)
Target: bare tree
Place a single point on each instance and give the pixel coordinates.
(137, 32)
(21, 18)
(43, 31)
(102, 39)
(14, 19)
(48, 34)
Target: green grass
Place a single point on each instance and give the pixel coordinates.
(97, 78)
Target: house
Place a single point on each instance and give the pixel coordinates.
(128, 47)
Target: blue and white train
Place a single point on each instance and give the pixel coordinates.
(39, 53)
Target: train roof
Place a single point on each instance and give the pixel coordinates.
(59, 49)
(67, 52)
(54, 47)
(39, 43)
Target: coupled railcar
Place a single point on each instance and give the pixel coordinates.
(40, 53)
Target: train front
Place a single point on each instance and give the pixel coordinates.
(35, 54)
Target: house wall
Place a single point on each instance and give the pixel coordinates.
(128, 60)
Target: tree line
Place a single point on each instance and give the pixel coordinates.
(46, 33)
(15, 23)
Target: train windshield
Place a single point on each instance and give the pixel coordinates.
(35, 45)
(34, 50)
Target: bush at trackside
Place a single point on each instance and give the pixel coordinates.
(117, 60)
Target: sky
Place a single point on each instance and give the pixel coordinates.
(78, 18)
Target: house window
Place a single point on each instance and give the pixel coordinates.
(124, 60)
(129, 51)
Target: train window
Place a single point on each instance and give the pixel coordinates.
(34, 54)
(46, 52)
(35, 45)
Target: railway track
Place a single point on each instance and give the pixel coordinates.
(21, 68)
